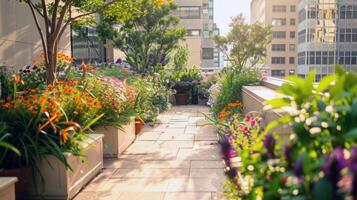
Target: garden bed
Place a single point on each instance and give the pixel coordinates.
(60, 183)
(117, 140)
(7, 188)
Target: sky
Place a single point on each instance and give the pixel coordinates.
(226, 9)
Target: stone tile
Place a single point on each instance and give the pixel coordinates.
(174, 131)
(194, 154)
(206, 138)
(175, 144)
(142, 196)
(148, 136)
(202, 173)
(135, 164)
(115, 163)
(175, 137)
(188, 196)
(163, 156)
(150, 172)
(204, 164)
(191, 129)
(198, 144)
(135, 184)
(194, 185)
(103, 176)
(103, 195)
(207, 130)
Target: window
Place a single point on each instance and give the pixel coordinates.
(291, 47)
(302, 36)
(279, 8)
(278, 22)
(279, 34)
(277, 73)
(292, 34)
(293, 8)
(354, 58)
(318, 57)
(193, 32)
(278, 47)
(292, 22)
(348, 35)
(189, 12)
(207, 53)
(292, 60)
(301, 58)
(278, 60)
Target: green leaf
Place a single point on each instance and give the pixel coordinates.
(323, 190)
(279, 102)
(352, 134)
(325, 83)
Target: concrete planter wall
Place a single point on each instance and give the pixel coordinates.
(60, 183)
(117, 140)
(7, 188)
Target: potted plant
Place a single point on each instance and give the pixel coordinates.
(117, 99)
(184, 80)
(49, 127)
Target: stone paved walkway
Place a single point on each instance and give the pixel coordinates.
(175, 160)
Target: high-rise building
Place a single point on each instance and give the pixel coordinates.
(197, 17)
(327, 33)
(282, 17)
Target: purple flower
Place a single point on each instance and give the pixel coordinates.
(248, 117)
(287, 154)
(352, 162)
(333, 165)
(252, 123)
(269, 144)
(298, 170)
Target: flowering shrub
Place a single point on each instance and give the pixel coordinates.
(319, 160)
(116, 96)
(46, 122)
(229, 88)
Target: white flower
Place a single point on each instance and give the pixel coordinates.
(297, 120)
(302, 117)
(250, 167)
(315, 130)
(295, 192)
(338, 127)
(292, 136)
(308, 121)
(324, 124)
(329, 109)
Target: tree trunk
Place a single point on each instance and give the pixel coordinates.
(52, 62)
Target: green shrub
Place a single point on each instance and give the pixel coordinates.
(230, 88)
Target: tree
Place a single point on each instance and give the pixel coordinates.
(146, 41)
(53, 17)
(245, 45)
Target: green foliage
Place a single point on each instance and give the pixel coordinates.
(146, 41)
(230, 88)
(319, 156)
(245, 45)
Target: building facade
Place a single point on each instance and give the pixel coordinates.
(327, 33)
(282, 16)
(20, 43)
(197, 17)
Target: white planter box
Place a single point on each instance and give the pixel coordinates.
(60, 183)
(7, 188)
(117, 140)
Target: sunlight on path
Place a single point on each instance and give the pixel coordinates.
(177, 159)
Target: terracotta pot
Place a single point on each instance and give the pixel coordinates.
(138, 126)
(181, 98)
(24, 177)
